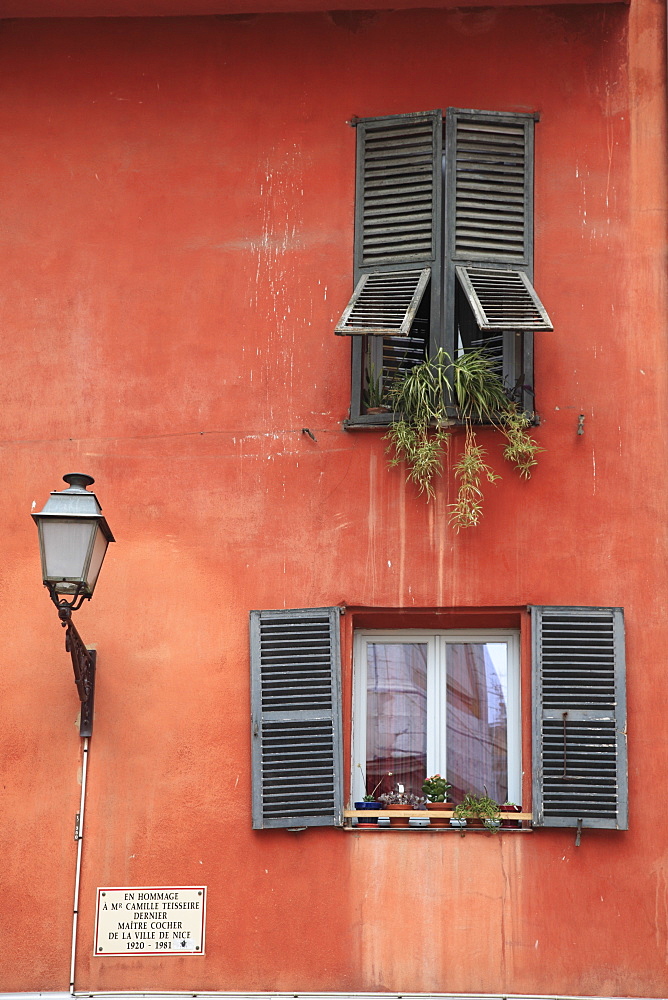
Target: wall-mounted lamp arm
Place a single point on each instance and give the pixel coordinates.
(68, 606)
(83, 664)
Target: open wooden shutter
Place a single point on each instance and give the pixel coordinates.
(491, 303)
(502, 300)
(296, 718)
(397, 222)
(384, 303)
(579, 728)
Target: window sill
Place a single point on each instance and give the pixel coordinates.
(371, 422)
(461, 830)
(422, 816)
(381, 421)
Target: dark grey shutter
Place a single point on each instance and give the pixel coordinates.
(296, 718)
(579, 725)
(490, 186)
(397, 207)
(398, 193)
(398, 225)
(489, 227)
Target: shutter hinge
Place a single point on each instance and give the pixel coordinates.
(578, 834)
(353, 121)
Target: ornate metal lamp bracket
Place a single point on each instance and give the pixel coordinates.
(83, 659)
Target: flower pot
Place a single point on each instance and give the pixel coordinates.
(506, 822)
(371, 820)
(378, 409)
(398, 820)
(434, 809)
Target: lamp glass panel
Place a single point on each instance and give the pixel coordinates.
(65, 547)
(99, 550)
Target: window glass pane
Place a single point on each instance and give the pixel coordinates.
(477, 725)
(396, 732)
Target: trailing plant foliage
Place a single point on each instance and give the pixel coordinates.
(427, 402)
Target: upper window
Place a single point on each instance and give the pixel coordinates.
(443, 248)
(437, 703)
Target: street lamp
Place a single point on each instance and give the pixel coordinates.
(73, 540)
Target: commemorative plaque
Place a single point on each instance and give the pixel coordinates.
(150, 921)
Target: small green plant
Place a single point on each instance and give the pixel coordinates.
(429, 400)
(374, 394)
(400, 797)
(436, 788)
(480, 807)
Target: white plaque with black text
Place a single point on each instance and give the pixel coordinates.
(150, 921)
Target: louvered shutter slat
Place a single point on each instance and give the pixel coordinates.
(296, 718)
(579, 717)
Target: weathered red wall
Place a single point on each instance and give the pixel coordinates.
(175, 245)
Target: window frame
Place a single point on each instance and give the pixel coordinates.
(437, 641)
(446, 298)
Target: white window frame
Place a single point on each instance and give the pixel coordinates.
(437, 641)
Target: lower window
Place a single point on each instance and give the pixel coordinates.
(437, 703)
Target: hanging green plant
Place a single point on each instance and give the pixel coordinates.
(433, 397)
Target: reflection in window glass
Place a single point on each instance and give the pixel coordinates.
(396, 716)
(477, 725)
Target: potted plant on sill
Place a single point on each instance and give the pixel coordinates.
(506, 821)
(479, 810)
(369, 801)
(400, 799)
(437, 790)
(429, 400)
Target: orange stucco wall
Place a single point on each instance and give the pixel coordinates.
(175, 246)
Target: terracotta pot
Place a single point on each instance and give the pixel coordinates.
(398, 820)
(436, 807)
(474, 822)
(510, 823)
